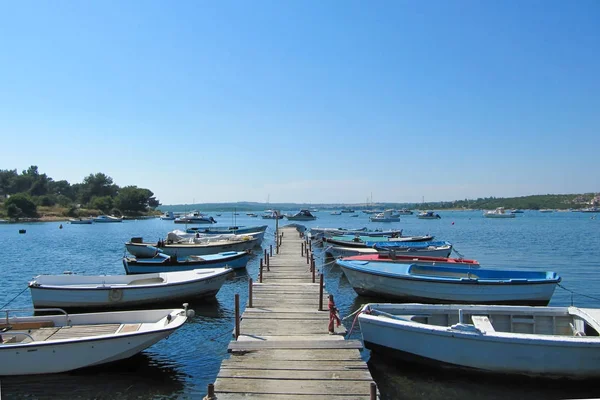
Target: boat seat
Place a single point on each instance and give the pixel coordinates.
(483, 323)
(147, 281)
(27, 325)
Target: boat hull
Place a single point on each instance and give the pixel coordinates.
(337, 252)
(140, 266)
(525, 354)
(62, 355)
(406, 289)
(148, 250)
(121, 296)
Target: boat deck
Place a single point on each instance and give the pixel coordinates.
(284, 350)
(51, 333)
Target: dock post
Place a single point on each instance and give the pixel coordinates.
(270, 250)
(237, 316)
(265, 257)
(307, 259)
(250, 293)
(260, 272)
(302, 253)
(210, 392)
(310, 246)
(313, 266)
(268, 262)
(373, 393)
(321, 292)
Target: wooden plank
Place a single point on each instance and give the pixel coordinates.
(291, 337)
(251, 396)
(354, 375)
(297, 315)
(281, 386)
(282, 310)
(267, 356)
(294, 344)
(312, 365)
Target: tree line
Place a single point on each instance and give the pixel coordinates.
(22, 193)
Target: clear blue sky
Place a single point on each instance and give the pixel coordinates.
(305, 101)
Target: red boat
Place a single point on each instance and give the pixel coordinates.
(456, 262)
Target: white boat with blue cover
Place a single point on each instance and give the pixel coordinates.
(555, 342)
(121, 291)
(443, 284)
(428, 215)
(165, 263)
(220, 230)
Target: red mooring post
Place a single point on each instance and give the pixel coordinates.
(373, 393)
(237, 316)
(320, 292)
(250, 293)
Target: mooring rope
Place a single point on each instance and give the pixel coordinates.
(26, 287)
(579, 294)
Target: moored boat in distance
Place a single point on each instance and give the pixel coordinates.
(195, 217)
(80, 221)
(164, 263)
(447, 284)
(48, 344)
(220, 230)
(107, 218)
(272, 214)
(428, 215)
(386, 216)
(302, 215)
(168, 216)
(498, 213)
(69, 291)
(554, 342)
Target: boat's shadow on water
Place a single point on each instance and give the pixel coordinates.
(139, 377)
(409, 380)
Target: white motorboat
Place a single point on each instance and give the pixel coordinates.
(195, 217)
(386, 216)
(178, 236)
(107, 218)
(168, 216)
(428, 215)
(120, 291)
(542, 341)
(272, 214)
(137, 247)
(59, 343)
(498, 213)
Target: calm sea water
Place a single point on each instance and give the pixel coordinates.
(181, 366)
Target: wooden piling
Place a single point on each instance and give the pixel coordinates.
(312, 265)
(260, 271)
(268, 262)
(270, 250)
(237, 316)
(321, 292)
(373, 391)
(302, 253)
(250, 293)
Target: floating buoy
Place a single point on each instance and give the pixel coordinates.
(60, 226)
(22, 231)
(452, 222)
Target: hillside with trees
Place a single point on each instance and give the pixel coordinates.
(31, 195)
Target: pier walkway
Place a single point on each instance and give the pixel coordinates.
(283, 349)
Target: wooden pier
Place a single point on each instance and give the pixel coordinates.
(283, 349)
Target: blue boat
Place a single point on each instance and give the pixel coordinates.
(443, 284)
(222, 230)
(164, 263)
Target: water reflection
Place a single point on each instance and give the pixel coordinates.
(141, 376)
(409, 380)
